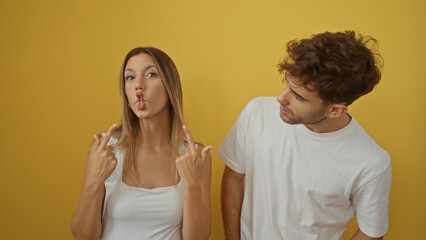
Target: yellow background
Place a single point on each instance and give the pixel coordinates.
(60, 61)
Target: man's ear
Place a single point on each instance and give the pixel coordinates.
(337, 110)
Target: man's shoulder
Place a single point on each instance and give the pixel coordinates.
(261, 103)
(365, 147)
(263, 100)
(262, 110)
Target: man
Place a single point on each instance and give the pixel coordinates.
(308, 165)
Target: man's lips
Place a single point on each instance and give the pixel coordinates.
(284, 110)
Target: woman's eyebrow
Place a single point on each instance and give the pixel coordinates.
(150, 66)
(146, 68)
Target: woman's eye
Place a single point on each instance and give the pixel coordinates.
(128, 78)
(151, 75)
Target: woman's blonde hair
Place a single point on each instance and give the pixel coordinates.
(128, 131)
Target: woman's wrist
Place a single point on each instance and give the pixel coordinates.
(93, 186)
(192, 186)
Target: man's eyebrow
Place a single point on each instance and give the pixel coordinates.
(292, 90)
(298, 95)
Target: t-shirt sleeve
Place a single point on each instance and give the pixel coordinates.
(371, 204)
(232, 149)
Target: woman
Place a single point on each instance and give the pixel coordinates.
(142, 180)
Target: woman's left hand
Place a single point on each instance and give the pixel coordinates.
(190, 163)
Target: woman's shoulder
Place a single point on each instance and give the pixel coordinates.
(112, 141)
(115, 136)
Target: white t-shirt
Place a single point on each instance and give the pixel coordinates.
(138, 213)
(306, 185)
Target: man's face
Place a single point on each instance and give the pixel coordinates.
(299, 105)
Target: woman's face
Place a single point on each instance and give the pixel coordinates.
(145, 91)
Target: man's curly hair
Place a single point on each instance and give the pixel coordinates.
(341, 66)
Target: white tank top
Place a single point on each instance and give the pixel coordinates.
(140, 213)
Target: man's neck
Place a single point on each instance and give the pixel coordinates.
(330, 124)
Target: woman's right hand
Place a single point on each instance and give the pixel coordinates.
(101, 161)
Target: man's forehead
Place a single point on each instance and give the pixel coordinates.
(297, 84)
(294, 81)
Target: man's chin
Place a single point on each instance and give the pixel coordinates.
(288, 120)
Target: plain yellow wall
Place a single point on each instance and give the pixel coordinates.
(60, 60)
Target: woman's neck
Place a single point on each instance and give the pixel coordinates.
(155, 131)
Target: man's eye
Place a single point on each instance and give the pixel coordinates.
(128, 78)
(151, 75)
(299, 98)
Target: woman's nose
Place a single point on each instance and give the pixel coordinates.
(139, 83)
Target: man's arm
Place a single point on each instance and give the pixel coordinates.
(359, 235)
(232, 199)
(371, 204)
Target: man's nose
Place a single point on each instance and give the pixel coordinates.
(283, 97)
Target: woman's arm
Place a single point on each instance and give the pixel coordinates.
(86, 223)
(196, 206)
(101, 162)
(194, 167)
